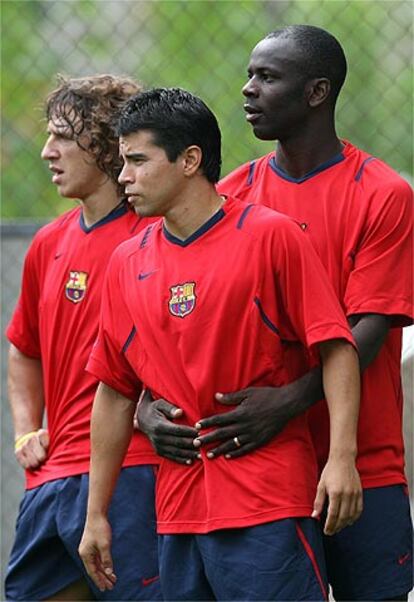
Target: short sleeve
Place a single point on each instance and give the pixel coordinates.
(23, 328)
(108, 361)
(310, 310)
(381, 280)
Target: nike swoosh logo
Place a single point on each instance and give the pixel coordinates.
(144, 275)
(150, 580)
(403, 559)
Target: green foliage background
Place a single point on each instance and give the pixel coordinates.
(203, 46)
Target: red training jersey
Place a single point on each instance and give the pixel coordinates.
(56, 320)
(215, 313)
(358, 214)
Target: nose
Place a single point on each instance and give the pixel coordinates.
(50, 150)
(125, 177)
(250, 87)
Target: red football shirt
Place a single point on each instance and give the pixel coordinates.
(217, 312)
(56, 320)
(358, 214)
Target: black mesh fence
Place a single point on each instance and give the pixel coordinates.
(203, 46)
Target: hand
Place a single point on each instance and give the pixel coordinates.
(261, 414)
(33, 451)
(94, 550)
(172, 441)
(341, 483)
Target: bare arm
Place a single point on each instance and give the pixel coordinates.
(26, 397)
(111, 432)
(340, 480)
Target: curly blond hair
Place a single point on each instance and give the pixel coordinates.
(88, 106)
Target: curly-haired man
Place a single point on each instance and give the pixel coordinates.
(51, 333)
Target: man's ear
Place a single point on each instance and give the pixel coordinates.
(317, 91)
(191, 158)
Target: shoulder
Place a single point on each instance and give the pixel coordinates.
(261, 221)
(375, 176)
(137, 243)
(242, 176)
(48, 234)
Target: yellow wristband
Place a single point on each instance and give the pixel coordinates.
(20, 441)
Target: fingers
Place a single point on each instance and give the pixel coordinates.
(33, 451)
(229, 449)
(319, 501)
(218, 420)
(332, 518)
(343, 510)
(221, 434)
(231, 398)
(146, 396)
(99, 567)
(168, 409)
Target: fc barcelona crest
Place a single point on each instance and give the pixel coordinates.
(76, 286)
(182, 300)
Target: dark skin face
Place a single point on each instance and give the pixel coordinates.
(276, 93)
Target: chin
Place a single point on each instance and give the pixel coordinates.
(264, 135)
(144, 212)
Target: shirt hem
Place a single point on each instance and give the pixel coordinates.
(185, 526)
(370, 482)
(83, 468)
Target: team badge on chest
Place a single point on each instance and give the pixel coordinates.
(75, 287)
(182, 300)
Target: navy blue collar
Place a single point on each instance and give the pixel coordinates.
(118, 211)
(212, 221)
(283, 174)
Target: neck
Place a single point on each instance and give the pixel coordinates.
(98, 204)
(195, 208)
(300, 154)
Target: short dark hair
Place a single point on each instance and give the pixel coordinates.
(321, 54)
(87, 105)
(177, 119)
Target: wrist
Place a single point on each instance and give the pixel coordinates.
(95, 515)
(20, 439)
(347, 454)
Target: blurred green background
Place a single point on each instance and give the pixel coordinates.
(203, 46)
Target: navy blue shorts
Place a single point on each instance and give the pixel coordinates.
(372, 559)
(45, 560)
(281, 560)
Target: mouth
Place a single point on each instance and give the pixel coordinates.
(132, 197)
(252, 113)
(57, 173)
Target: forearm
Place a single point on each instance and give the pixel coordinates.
(341, 382)
(25, 391)
(111, 432)
(305, 391)
(369, 332)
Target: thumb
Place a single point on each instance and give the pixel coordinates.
(168, 409)
(319, 501)
(43, 436)
(231, 398)
(106, 561)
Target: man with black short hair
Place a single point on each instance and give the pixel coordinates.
(203, 301)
